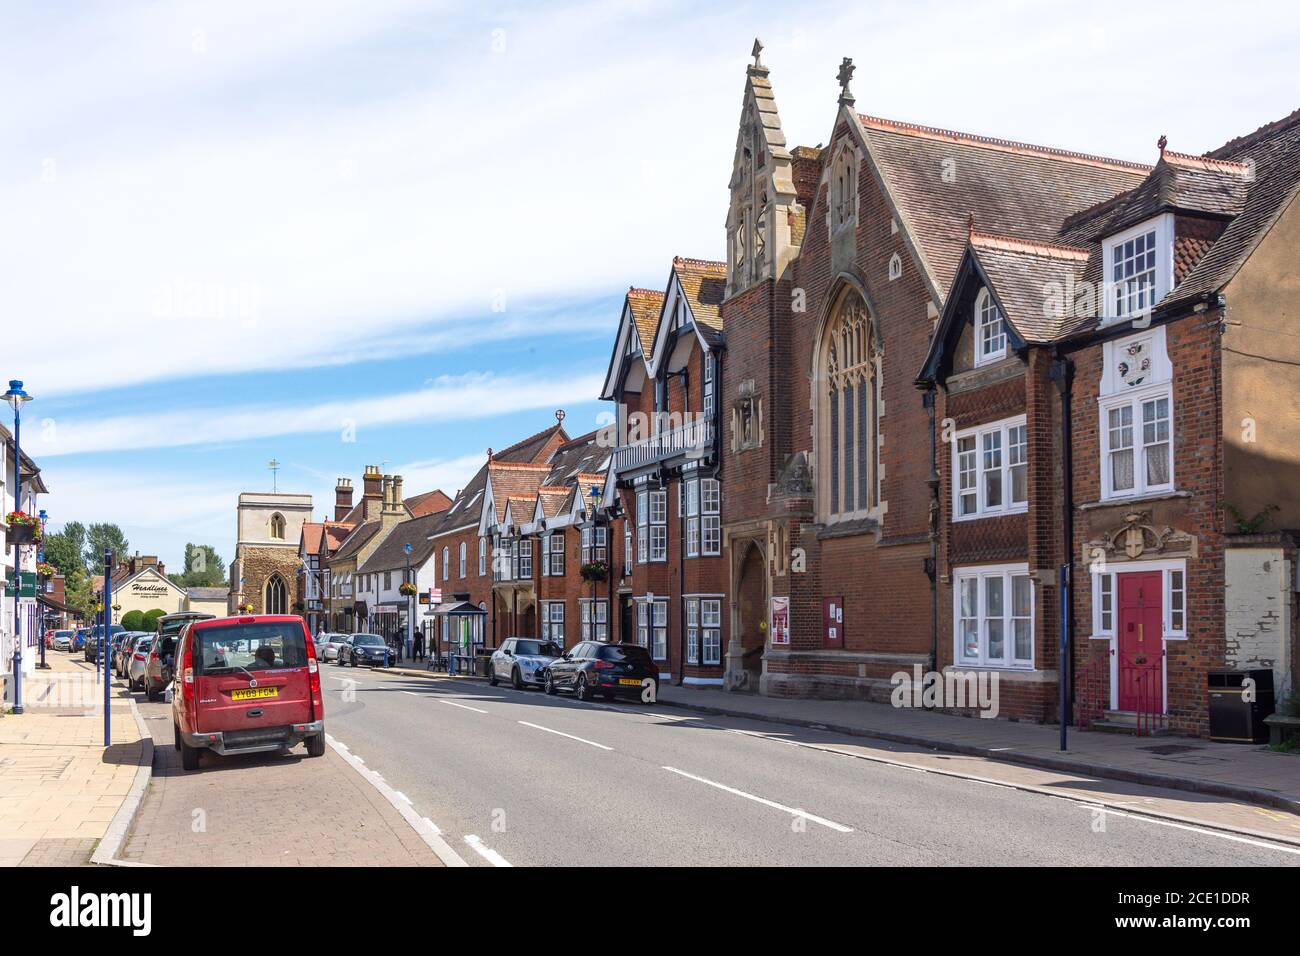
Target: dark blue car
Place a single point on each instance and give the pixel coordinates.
(368, 649)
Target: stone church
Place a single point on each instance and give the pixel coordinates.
(265, 571)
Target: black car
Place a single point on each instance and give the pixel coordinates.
(364, 649)
(95, 637)
(609, 670)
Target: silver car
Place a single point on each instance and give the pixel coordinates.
(135, 663)
(327, 645)
(521, 661)
(63, 640)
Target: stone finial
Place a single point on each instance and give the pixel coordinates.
(489, 454)
(1162, 142)
(844, 76)
(756, 53)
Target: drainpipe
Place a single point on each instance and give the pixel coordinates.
(1062, 373)
(681, 549)
(932, 562)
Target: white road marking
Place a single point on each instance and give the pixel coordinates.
(431, 835)
(560, 733)
(412, 693)
(794, 811)
(1096, 807)
(452, 703)
(402, 796)
(343, 680)
(489, 854)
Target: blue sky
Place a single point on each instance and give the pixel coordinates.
(231, 229)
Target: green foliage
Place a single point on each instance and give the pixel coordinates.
(150, 619)
(98, 538)
(63, 550)
(133, 620)
(203, 568)
(76, 590)
(1252, 524)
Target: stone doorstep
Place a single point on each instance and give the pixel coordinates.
(1065, 764)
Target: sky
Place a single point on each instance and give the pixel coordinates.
(399, 233)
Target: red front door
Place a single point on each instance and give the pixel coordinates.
(1141, 642)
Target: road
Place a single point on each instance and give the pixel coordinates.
(523, 779)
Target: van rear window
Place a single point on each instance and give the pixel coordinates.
(249, 647)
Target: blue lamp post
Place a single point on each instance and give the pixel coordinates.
(16, 397)
(40, 556)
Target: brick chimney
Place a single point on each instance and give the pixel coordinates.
(373, 492)
(393, 511)
(342, 498)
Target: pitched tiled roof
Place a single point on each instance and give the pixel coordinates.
(514, 480)
(645, 305)
(1032, 282)
(531, 447)
(336, 532)
(427, 503)
(357, 539)
(1012, 189)
(1273, 156)
(553, 500)
(577, 456)
(1183, 184)
(705, 285)
(391, 552)
(311, 536)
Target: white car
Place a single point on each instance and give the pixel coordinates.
(63, 640)
(327, 645)
(135, 663)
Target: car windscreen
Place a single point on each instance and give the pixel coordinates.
(632, 654)
(545, 648)
(249, 647)
(366, 639)
(64, 633)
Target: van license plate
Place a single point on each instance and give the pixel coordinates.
(254, 693)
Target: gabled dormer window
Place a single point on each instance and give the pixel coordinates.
(1139, 268)
(990, 330)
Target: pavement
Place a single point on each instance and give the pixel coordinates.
(1238, 772)
(519, 778)
(60, 789)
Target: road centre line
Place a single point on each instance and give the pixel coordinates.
(452, 703)
(794, 811)
(560, 733)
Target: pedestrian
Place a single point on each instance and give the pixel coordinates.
(419, 645)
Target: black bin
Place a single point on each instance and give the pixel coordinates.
(1233, 719)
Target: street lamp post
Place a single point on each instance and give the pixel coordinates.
(16, 398)
(103, 641)
(410, 611)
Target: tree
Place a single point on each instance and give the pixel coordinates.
(63, 550)
(76, 590)
(133, 620)
(150, 620)
(203, 568)
(98, 538)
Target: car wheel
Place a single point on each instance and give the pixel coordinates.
(580, 690)
(492, 675)
(151, 693)
(548, 685)
(516, 679)
(189, 756)
(316, 745)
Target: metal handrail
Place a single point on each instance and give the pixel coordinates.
(693, 436)
(1093, 690)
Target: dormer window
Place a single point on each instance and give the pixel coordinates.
(1139, 268)
(990, 330)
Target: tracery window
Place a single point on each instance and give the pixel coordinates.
(847, 406)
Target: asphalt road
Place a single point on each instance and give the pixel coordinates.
(529, 780)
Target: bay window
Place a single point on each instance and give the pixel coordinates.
(658, 515)
(994, 616)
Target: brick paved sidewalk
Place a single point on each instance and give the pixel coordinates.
(59, 788)
(1240, 772)
(265, 810)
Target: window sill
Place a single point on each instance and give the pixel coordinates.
(1026, 674)
(1134, 499)
(1018, 510)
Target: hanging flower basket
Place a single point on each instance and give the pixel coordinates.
(23, 528)
(407, 589)
(595, 571)
(246, 608)
(45, 569)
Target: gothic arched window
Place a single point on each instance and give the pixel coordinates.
(277, 526)
(846, 406)
(277, 595)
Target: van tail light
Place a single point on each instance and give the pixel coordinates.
(313, 677)
(187, 672)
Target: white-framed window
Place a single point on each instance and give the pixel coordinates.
(627, 547)
(595, 619)
(709, 402)
(692, 630)
(1138, 268)
(642, 526)
(546, 555)
(556, 557)
(446, 563)
(710, 516)
(643, 623)
(691, 515)
(658, 530)
(990, 468)
(994, 616)
(703, 630)
(553, 622)
(990, 330)
(482, 556)
(594, 543)
(525, 559)
(1137, 444)
(659, 631)
(462, 559)
(1173, 605)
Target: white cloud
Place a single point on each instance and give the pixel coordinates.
(446, 400)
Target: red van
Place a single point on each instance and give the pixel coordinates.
(245, 685)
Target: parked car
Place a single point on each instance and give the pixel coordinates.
(64, 640)
(327, 645)
(522, 661)
(610, 670)
(135, 661)
(94, 638)
(245, 685)
(365, 649)
(79, 638)
(122, 651)
(162, 653)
